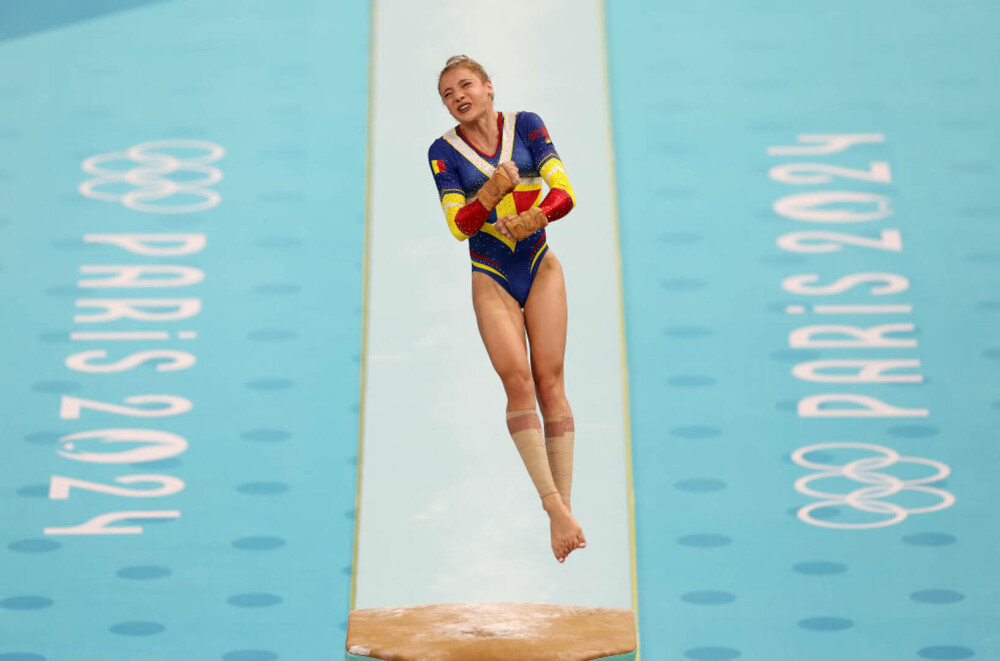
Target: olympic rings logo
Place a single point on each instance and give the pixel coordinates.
(150, 176)
(866, 498)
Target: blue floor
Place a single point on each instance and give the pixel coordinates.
(247, 555)
(265, 529)
(727, 567)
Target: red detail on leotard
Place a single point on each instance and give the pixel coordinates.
(539, 133)
(485, 259)
(525, 199)
(556, 204)
(471, 217)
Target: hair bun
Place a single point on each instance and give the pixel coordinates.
(456, 61)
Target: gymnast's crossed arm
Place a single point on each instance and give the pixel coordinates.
(471, 217)
(560, 199)
(466, 219)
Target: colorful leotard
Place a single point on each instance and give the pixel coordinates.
(460, 170)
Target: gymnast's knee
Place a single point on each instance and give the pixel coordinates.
(549, 389)
(519, 388)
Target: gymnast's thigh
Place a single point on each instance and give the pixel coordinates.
(501, 325)
(545, 317)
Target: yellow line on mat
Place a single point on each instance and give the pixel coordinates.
(621, 320)
(364, 294)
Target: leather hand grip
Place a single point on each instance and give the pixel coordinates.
(527, 223)
(495, 189)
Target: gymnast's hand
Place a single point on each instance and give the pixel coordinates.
(510, 168)
(501, 226)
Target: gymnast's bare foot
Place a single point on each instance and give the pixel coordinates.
(567, 535)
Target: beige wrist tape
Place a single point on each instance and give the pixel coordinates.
(495, 189)
(559, 437)
(526, 430)
(527, 223)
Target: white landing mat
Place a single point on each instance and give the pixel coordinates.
(447, 512)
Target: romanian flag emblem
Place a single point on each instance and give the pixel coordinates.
(438, 166)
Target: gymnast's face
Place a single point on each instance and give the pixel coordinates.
(465, 95)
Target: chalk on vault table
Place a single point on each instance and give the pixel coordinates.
(491, 632)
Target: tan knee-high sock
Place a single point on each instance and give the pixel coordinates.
(559, 437)
(526, 430)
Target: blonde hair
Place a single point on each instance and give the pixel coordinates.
(460, 61)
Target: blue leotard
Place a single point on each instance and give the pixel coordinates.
(460, 170)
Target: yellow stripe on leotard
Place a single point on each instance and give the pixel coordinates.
(506, 207)
(537, 255)
(492, 231)
(452, 203)
(477, 265)
(554, 174)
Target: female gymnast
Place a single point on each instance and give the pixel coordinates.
(489, 171)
